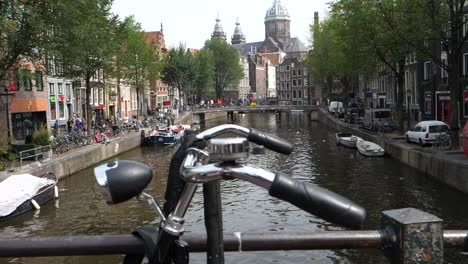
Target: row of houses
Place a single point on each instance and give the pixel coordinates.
(37, 96)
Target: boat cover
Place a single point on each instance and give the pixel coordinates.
(17, 189)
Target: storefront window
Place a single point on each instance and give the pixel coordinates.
(53, 112)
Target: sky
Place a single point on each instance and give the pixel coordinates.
(191, 22)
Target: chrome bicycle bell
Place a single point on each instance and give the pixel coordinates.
(228, 149)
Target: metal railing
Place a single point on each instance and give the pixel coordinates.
(37, 154)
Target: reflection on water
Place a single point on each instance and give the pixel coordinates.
(376, 183)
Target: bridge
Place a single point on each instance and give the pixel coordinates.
(202, 114)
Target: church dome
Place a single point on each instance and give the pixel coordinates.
(277, 12)
(218, 31)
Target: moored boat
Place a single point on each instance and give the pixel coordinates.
(347, 139)
(165, 136)
(22, 193)
(369, 149)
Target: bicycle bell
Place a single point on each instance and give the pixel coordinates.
(228, 149)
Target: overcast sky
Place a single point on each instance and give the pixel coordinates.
(191, 22)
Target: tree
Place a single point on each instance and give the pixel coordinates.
(82, 36)
(176, 69)
(227, 69)
(204, 73)
(22, 23)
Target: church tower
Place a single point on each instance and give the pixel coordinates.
(218, 32)
(277, 23)
(238, 37)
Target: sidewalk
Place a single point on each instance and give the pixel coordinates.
(449, 167)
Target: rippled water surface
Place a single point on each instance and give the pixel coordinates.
(376, 183)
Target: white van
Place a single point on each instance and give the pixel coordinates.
(335, 108)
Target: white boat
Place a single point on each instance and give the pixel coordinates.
(347, 139)
(369, 149)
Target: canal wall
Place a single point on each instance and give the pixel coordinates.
(199, 118)
(446, 167)
(82, 158)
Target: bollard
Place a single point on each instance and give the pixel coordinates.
(418, 237)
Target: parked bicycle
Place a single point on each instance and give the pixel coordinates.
(407, 235)
(206, 160)
(442, 142)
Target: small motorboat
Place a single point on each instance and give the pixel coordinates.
(165, 136)
(369, 149)
(22, 193)
(347, 139)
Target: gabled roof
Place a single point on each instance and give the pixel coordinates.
(294, 45)
(156, 38)
(245, 49)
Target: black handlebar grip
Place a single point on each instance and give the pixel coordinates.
(269, 141)
(318, 201)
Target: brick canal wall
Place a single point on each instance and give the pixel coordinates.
(449, 168)
(77, 160)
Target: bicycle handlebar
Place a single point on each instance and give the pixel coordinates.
(269, 141)
(308, 197)
(318, 201)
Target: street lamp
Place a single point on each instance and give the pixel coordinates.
(6, 98)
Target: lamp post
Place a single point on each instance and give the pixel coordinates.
(6, 98)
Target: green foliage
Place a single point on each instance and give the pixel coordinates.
(227, 69)
(21, 22)
(6, 155)
(41, 137)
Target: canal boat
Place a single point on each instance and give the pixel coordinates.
(165, 136)
(369, 149)
(347, 139)
(22, 193)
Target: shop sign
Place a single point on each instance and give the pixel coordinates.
(52, 99)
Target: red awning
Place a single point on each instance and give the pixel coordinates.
(101, 107)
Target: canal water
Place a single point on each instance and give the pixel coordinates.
(376, 183)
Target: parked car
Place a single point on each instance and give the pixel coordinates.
(426, 132)
(373, 117)
(336, 108)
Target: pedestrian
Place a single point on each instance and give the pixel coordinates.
(79, 125)
(69, 125)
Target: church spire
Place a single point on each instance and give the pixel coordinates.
(238, 36)
(218, 30)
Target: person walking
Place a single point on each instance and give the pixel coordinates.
(69, 125)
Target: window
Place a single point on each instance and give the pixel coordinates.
(300, 94)
(294, 83)
(287, 86)
(427, 70)
(60, 88)
(288, 77)
(39, 83)
(299, 82)
(68, 90)
(52, 89)
(287, 68)
(465, 25)
(305, 82)
(465, 64)
(53, 111)
(299, 72)
(26, 80)
(294, 73)
(294, 94)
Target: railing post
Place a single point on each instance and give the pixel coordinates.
(419, 237)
